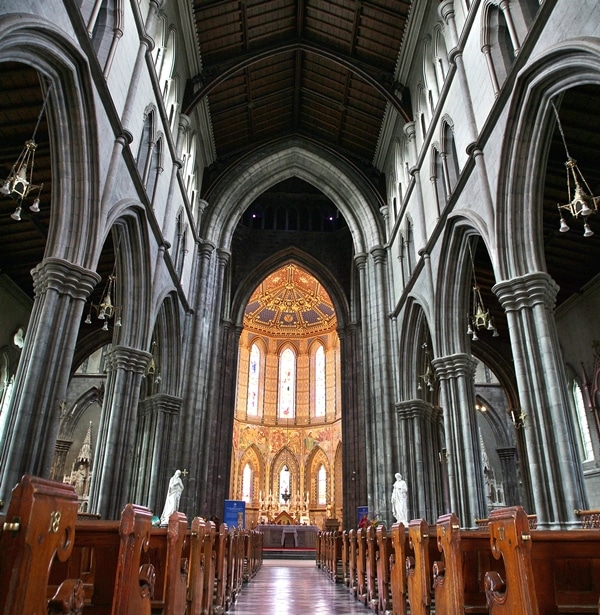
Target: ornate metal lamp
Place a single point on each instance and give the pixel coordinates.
(479, 318)
(581, 203)
(19, 183)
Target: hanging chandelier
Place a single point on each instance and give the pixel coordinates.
(19, 183)
(582, 203)
(428, 375)
(479, 317)
(106, 309)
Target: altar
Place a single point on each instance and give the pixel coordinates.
(288, 536)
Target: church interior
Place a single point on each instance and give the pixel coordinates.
(294, 247)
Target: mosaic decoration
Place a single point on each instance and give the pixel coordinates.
(290, 302)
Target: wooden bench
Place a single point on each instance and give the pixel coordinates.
(371, 566)
(166, 554)
(458, 576)
(361, 565)
(547, 571)
(108, 557)
(384, 553)
(398, 574)
(353, 551)
(39, 527)
(345, 558)
(418, 567)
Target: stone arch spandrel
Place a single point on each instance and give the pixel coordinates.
(72, 125)
(352, 195)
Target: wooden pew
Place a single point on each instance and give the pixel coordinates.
(345, 558)
(108, 556)
(221, 555)
(39, 526)
(361, 565)
(195, 583)
(547, 571)
(398, 573)
(458, 575)
(418, 566)
(208, 554)
(352, 557)
(384, 553)
(319, 549)
(371, 568)
(166, 554)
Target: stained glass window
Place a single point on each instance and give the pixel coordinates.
(322, 485)
(253, 381)
(287, 384)
(247, 484)
(320, 381)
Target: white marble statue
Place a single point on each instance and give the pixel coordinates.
(173, 495)
(400, 499)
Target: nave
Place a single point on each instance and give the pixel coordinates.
(288, 587)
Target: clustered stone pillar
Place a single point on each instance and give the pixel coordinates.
(553, 459)
(33, 417)
(418, 433)
(113, 459)
(465, 471)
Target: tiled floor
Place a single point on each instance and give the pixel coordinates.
(283, 587)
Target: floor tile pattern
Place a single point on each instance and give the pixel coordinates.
(295, 588)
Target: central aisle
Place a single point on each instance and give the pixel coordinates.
(283, 587)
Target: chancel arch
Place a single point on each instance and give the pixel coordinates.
(290, 330)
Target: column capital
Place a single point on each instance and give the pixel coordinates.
(360, 260)
(446, 9)
(527, 291)
(454, 366)
(128, 359)
(410, 130)
(417, 408)
(63, 277)
(223, 256)
(206, 249)
(379, 254)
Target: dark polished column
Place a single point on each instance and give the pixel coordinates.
(113, 459)
(553, 459)
(465, 472)
(33, 416)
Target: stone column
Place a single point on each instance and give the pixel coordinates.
(33, 416)
(192, 421)
(381, 413)
(410, 132)
(155, 451)
(115, 452)
(419, 448)
(360, 261)
(510, 473)
(465, 471)
(553, 459)
(353, 425)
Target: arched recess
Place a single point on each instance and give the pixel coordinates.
(304, 260)
(338, 470)
(419, 424)
(558, 484)
(523, 156)
(159, 407)
(284, 457)
(315, 460)
(254, 458)
(73, 133)
(238, 188)
(133, 283)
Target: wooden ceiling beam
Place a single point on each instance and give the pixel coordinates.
(382, 81)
